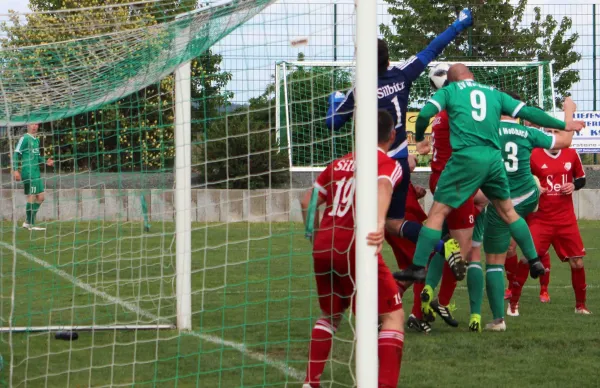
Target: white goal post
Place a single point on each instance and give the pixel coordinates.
(301, 102)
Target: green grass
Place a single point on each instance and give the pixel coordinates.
(253, 286)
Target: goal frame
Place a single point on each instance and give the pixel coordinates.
(283, 130)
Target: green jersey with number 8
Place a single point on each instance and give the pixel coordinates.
(517, 142)
(474, 112)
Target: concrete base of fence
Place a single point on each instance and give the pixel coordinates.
(206, 206)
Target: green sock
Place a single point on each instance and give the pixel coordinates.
(428, 238)
(434, 272)
(475, 287)
(494, 286)
(520, 232)
(36, 207)
(29, 212)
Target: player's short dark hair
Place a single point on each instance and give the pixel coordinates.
(513, 95)
(383, 56)
(385, 125)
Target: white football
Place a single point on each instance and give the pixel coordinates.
(438, 75)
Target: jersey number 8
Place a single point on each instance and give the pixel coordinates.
(479, 105)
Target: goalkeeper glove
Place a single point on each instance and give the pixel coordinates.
(465, 20)
(335, 121)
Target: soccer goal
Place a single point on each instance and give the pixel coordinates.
(304, 86)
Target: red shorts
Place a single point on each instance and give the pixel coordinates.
(335, 284)
(462, 217)
(565, 239)
(404, 250)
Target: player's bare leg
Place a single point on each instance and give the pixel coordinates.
(520, 232)
(579, 285)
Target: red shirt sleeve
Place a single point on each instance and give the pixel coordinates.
(578, 171)
(391, 170)
(324, 180)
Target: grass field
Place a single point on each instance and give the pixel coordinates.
(254, 305)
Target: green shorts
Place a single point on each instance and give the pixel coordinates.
(471, 169)
(497, 234)
(33, 186)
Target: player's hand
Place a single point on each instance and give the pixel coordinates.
(421, 192)
(423, 147)
(465, 20)
(567, 188)
(17, 175)
(575, 126)
(376, 239)
(569, 104)
(50, 162)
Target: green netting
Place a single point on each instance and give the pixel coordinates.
(305, 87)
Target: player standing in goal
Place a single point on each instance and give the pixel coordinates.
(394, 84)
(334, 260)
(27, 152)
(474, 110)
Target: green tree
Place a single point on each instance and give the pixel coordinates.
(498, 34)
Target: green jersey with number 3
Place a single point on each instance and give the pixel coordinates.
(474, 112)
(517, 142)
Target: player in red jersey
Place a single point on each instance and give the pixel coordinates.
(334, 260)
(560, 173)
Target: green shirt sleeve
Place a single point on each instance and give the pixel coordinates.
(541, 139)
(21, 145)
(540, 118)
(510, 106)
(41, 159)
(436, 104)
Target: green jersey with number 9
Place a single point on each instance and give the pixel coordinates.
(517, 142)
(474, 112)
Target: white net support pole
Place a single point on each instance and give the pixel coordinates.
(366, 193)
(183, 196)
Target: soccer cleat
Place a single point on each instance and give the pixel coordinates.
(544, 297)
(507, 294)
(444, 312)
(457, 263)
(426, 299)
(37, 228)
(582, 310)
(513, 310)
(475, 323)
(418, 325)
(26, 226)
(536, 268)
(497, 325)
(415, 273)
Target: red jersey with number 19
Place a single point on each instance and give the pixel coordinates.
(553, 171)
(336, 187)
(440, 136)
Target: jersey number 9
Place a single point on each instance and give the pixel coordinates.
(479, 105)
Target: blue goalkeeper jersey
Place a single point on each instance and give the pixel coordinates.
(392, 95)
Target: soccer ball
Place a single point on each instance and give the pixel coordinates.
(438, 75)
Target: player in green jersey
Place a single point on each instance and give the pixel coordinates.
(474, 111)
(516, 142)
(27, 156)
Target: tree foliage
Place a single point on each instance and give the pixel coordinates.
(499, 34)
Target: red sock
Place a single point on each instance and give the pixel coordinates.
(402, 287)
(447, 287)
(519, 280)
(390, 357)
(416, 309)
(545, 278)
(320, 345)
(579, 286)
(511, 268)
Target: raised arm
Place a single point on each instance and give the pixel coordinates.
(415, 66)
(563, 139)
(340, 110)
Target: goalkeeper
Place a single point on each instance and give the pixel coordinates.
(27, 152)
(394, 84)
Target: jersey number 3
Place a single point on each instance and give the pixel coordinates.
(479, 105)
(512, 163)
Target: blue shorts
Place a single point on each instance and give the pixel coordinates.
(398, 206)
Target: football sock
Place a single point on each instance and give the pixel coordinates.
(475, 287)
(520, 232)
(579, 286)
(545, 278)
(519, 281)
(511, 268)
(390, 347)
(416, 309)
(29, 212)
(402, 287)
(447, 287)
(494, 286)
(410, 231)
(320, 346)
(35, 208)
(435, 270)
(428, 238)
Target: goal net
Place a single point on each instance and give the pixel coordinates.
(303, 88)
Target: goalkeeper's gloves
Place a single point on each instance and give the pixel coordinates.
(335, 121)
(465, 20)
